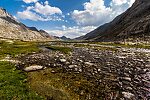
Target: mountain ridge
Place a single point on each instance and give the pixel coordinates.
(134, 22)
(10, 28)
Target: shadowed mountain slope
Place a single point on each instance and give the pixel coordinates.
(132, 24)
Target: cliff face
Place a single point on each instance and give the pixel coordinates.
(10, 28)
(134, 23)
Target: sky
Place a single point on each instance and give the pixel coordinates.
(70, 18)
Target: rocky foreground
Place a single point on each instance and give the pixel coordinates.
(115, 74)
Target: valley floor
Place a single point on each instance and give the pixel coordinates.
(75, 71)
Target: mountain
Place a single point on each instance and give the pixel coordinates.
(45, 34)
(64, 38)
(10, 28)
(33, 28)
(133, 24)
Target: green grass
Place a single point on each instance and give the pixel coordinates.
(17, 48)
(13, 84)
(144, 46)
(61, 49)
(96, 47)
(66, 86)
(59, 86)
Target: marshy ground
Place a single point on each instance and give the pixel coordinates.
(74, 71)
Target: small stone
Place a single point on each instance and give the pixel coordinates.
(79, 60)
(33, 68)
(57, 56)
(88, 63)
(60, 54)
(128, 88)
(72, 66)
(99, 70)
(63, 60)
(82, 92)
(128, 95)
(53, 71)
(67, 62)
(127, 78)
(54, 65)
(80, 70)
(97, 57)
(76, 69)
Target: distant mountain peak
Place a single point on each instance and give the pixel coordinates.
(64, 38)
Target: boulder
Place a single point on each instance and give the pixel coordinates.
(33, 68)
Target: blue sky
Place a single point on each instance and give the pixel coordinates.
(71, 18)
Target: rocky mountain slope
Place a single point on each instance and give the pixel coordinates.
(10, 28)
(132, 24)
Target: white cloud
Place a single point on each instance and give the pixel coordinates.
(119, 2)
(41, 12)
(71, 32)
(30, 1)
(46, 2)
(27, 14)
(96, 13)
(46, 9)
